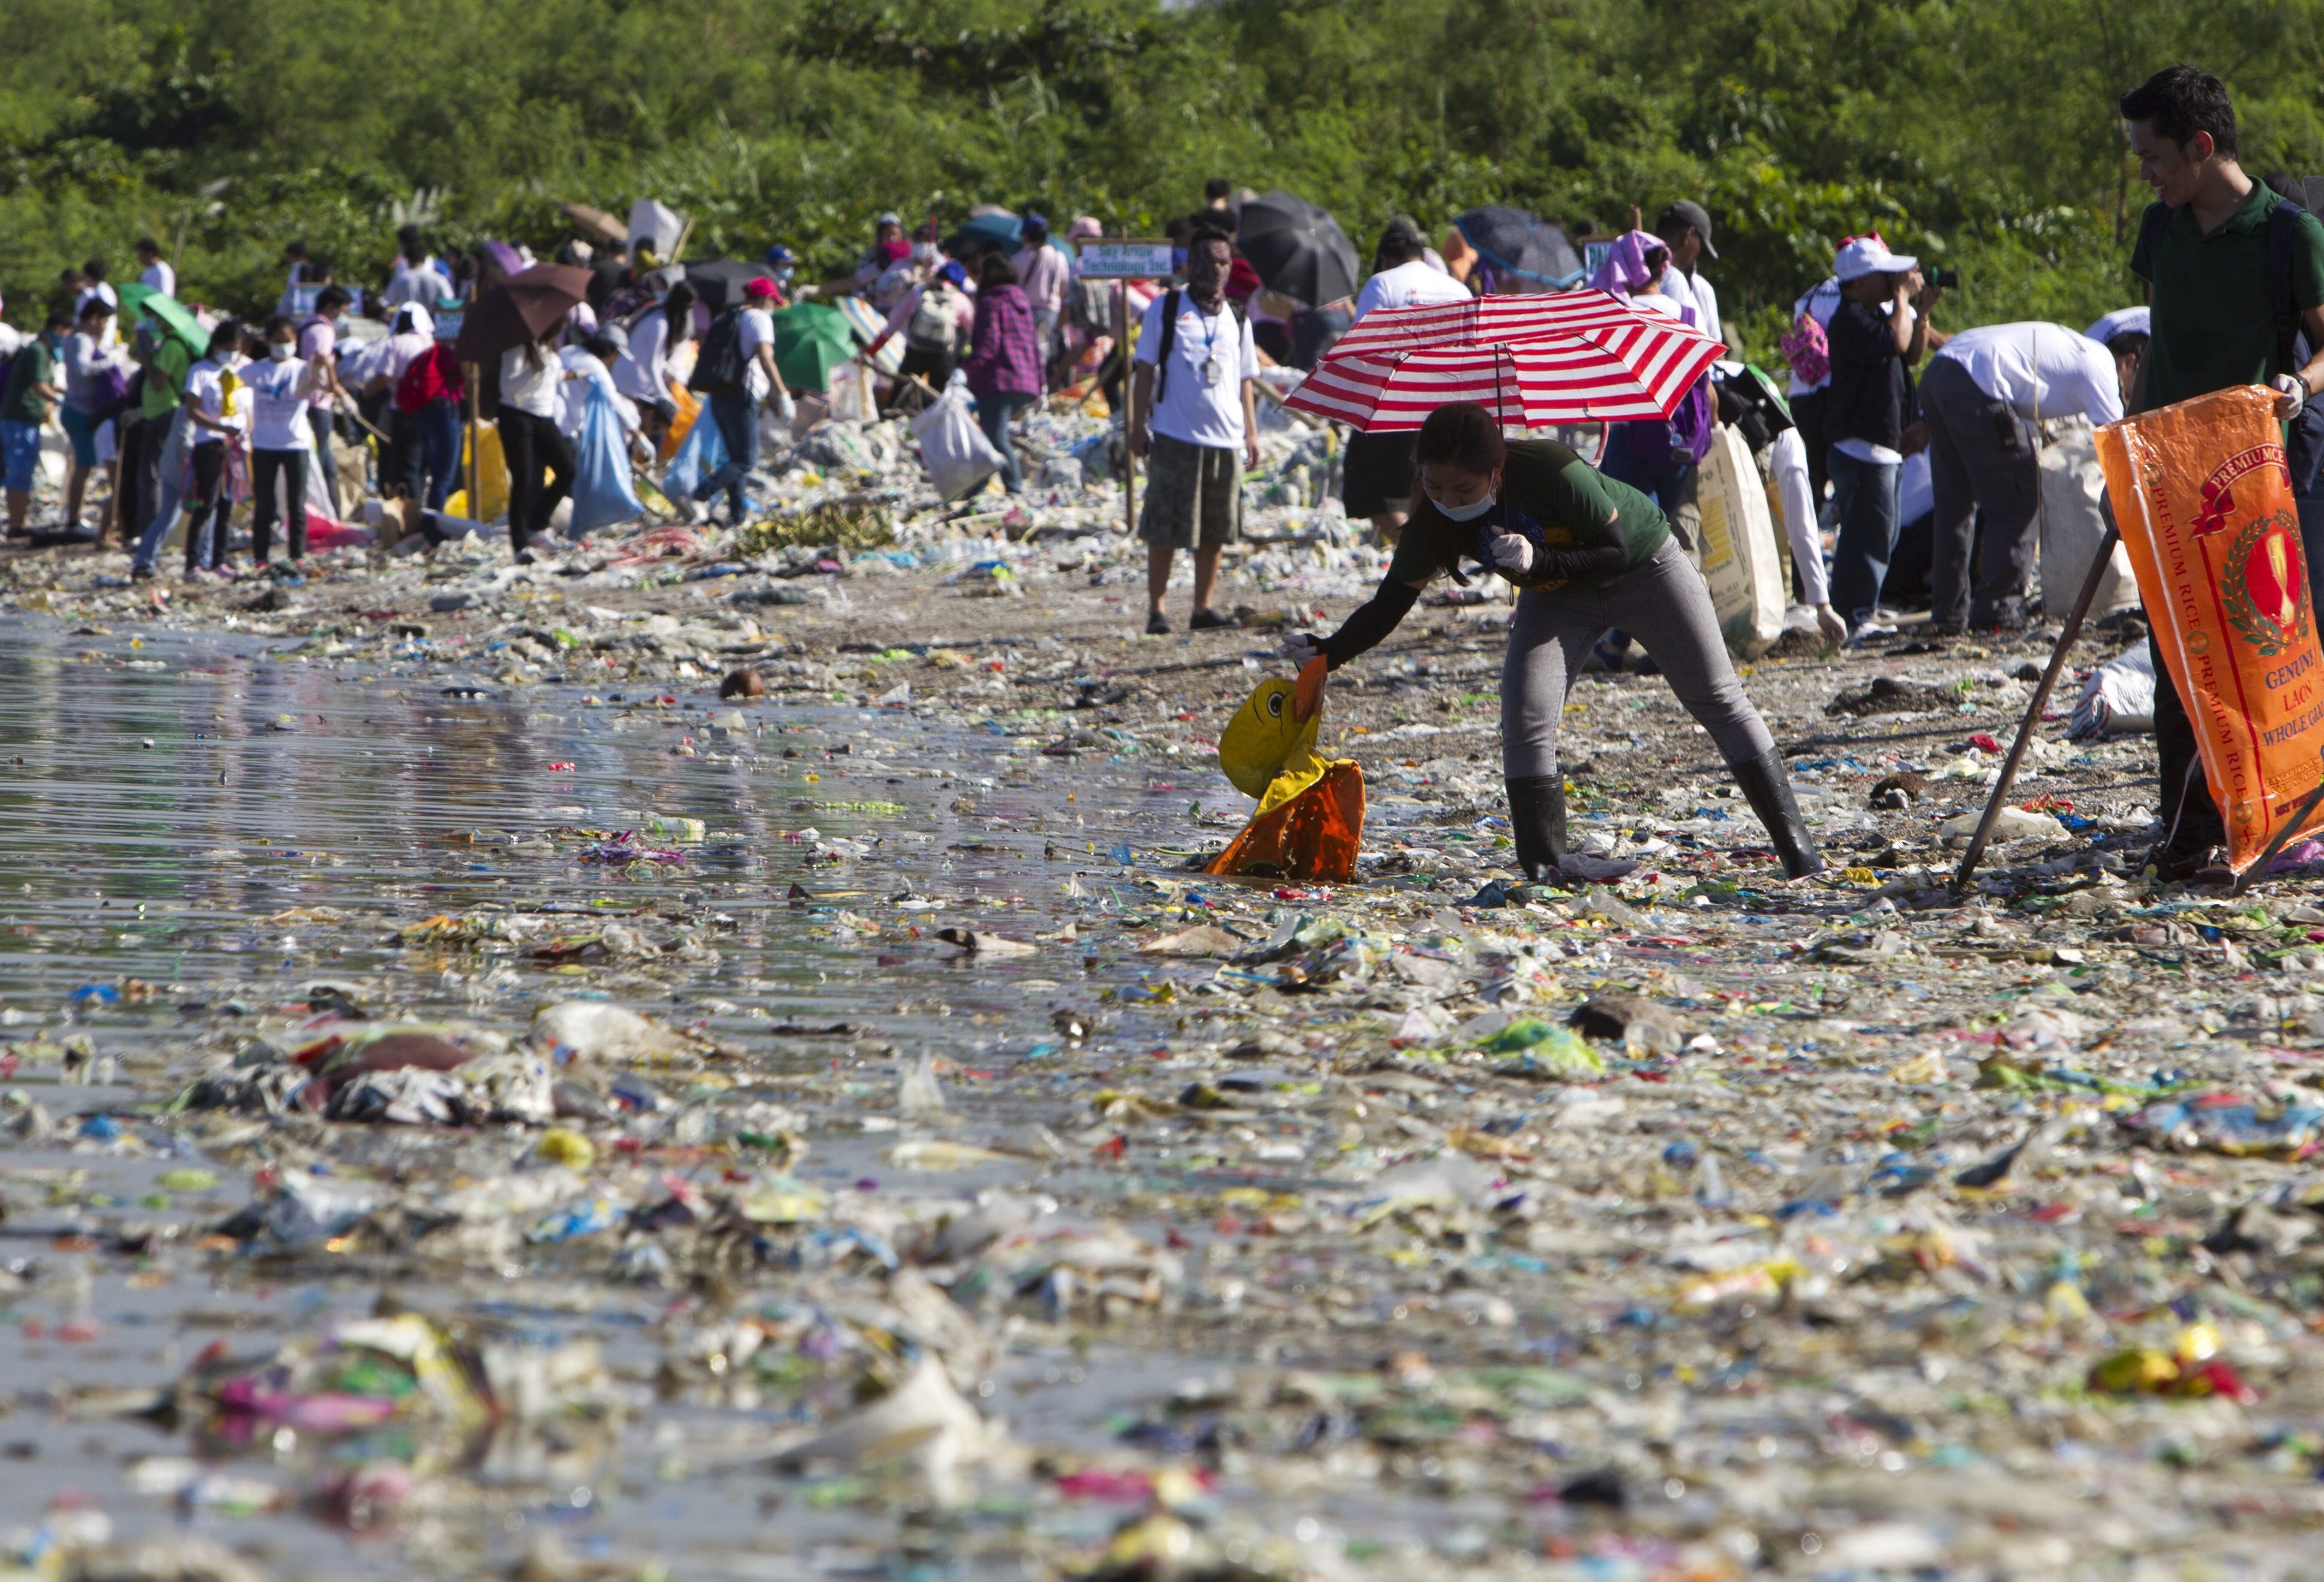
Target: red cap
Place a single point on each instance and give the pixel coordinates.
(759, 285)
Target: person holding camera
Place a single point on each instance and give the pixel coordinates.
(1983, 398)
(1878, 331)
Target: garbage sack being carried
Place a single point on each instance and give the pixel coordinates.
(602, 492)
(957, 454)
(1749, 587)
(2073, 526)
(1310, 819)
(2203, 497)
(702, 453)
(2118, 699)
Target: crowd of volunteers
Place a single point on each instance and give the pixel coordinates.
(1892, 440)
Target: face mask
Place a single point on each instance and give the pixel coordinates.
(279, 351)
(1469, 513)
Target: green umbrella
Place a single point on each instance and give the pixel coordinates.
(169, 313)
(810, 341)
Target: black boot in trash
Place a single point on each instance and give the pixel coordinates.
(1767, 787)
(1537, 824)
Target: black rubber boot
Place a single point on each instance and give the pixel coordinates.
(1767, 787)
(1537, 824)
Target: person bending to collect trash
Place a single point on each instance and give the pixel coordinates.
(1586, 553)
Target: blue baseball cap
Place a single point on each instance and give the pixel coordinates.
(778, 257)
(954, 272)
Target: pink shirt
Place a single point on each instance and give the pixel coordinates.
(317, 341)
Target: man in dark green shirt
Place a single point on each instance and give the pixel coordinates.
(32, 385)
(2214, 327)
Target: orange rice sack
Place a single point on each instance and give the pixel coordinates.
(2203, 497)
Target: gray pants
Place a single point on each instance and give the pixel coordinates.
(1665, 608)
(1988, 489)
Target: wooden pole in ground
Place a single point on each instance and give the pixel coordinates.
(475, 471)
(2026, 726)
(1128, 406)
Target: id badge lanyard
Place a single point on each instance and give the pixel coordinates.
(1212, 372)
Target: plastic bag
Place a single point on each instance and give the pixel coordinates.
(2118, 699)
(602, 491)
(689, 408)
(702, 453)
(2072, 525)
(1748, 589)
(2203, 497)
(958, 456)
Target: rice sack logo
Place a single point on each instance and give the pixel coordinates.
(2263, 576)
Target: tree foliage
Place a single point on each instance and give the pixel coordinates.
(1978, 131)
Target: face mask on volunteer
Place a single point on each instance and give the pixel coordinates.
(280, 350)
(1469, 513)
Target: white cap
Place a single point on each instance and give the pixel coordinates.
(1870, 256)
(2121, 322)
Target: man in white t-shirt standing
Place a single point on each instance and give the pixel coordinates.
(1377, 470)
(153, 271)
(1684, 229)
(1191, 406)
(1982, 398)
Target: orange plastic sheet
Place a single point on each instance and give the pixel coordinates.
(2203, 497)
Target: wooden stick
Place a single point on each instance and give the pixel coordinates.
(2026, 726)
(2292, 827)
(1128, 409)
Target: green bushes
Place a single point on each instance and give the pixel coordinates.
(1977, 131)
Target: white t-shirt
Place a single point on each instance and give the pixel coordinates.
(642, 372)
(205, 389)
(758, 330)
(1191, 409)
(160, 277)
(1697, 292)
(573, 401)
(1405, 285)
(2040, 370)
(528, 388)
(278, 405)
(101, 292)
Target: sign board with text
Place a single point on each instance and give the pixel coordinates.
(1125, 260)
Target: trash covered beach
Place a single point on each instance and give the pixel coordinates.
(712, 1055)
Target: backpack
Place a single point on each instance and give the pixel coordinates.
(1750, 402)
(932, 328)
(1808, 350)
(719, 368)
(1170, 302)
(431, 376)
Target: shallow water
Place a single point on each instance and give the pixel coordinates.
(197, 831)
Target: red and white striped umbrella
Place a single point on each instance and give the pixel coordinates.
(1571, 357)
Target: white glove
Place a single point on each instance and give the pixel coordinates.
(1512, 555)
(2290, 394)
(1834, 629)
(1301, 647)
(785, 407)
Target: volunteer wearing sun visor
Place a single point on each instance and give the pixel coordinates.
(1587, 554)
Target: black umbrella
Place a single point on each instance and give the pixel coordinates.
(719, 283)
(1515, 243)
(1298, 249)
(523, 307)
